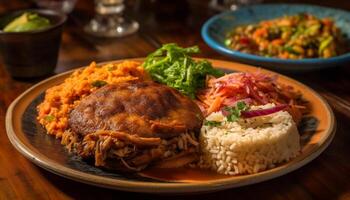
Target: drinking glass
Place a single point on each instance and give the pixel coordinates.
(222, 5)
(109, 20)
(65, 6)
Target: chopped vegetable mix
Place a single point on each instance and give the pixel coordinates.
(289, 37)
(224, 94)
(172, 65)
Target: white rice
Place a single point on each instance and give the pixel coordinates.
(250, 145)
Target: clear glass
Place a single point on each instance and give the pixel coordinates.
(65, 6)
(222, 5)
(109, 20)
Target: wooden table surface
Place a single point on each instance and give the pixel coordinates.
(327, 177)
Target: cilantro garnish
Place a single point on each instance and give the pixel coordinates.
(235, 112)
(49, 118)
(212, 123)
(98, 83)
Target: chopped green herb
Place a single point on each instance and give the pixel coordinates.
(111, 68)
(242, 105)
(290, 50)
(98, 83)
(235, 112)
(49, 118)
(212, 123)
(172, 65)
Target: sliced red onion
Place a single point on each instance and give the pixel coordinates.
(225, 112)
(261, 112)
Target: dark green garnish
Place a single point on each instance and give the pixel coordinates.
(212, 123)
(235, 112)
(111, 68)
(49, 118)
(98, 83)
(172, 65)
(291, 50)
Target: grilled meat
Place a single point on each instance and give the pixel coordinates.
(134, 123)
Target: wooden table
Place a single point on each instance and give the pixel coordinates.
(327, 177)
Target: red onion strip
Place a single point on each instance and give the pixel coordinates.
(261, 112)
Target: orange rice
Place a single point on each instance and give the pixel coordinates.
(61, 99)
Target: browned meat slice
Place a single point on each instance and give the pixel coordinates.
(146, 109)
(129, 125)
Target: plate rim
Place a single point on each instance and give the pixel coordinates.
(168, 187)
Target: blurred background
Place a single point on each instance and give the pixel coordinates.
(160, 21)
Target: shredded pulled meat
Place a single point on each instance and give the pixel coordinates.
(119, 150)
(253, 88)
(130, 125)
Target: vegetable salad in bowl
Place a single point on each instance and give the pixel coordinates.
(289, 37)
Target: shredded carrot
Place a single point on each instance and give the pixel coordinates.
(253, 88)
(215, 106)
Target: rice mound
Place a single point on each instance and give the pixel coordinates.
(250, 145)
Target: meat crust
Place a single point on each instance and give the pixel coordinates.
(146, 109)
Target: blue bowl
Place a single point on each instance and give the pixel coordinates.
(215, 29)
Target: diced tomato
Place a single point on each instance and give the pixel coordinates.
(277, 42)
(260, 32)
(244, 41)
(327, 22)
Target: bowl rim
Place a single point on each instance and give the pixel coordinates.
(62, 18)
(220, 47)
